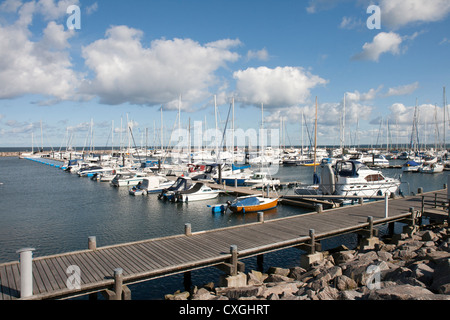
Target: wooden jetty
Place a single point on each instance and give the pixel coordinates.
(110, 269)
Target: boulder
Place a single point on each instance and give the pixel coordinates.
(203, 294)
(328, 293)
(384, 255)
(344, 283)
(236, 293)
(296, 273)
(401, 292)
(278, 278)
(429, 236)
(256, 278)
(343, 256)
(441, 276)
(279, 289)
(423, 272)
(279, 271)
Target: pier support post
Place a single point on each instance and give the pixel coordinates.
(368, 240)
(26, 272)
(319, 208)
(235, 276)
(411, 228)
(386, 206)
(307, 260)
(188, 229)
(92, 243)
(118, 283)
(261, 217)
(119, 292)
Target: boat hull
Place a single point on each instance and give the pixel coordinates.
(260, 207)
(199, 197)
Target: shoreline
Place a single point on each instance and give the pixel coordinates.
(407, 267)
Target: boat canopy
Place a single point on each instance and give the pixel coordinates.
(412, 163)
(239, 168)
(180, 184)
(349, 168)
(251, 201)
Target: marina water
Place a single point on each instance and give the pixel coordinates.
(55, 212)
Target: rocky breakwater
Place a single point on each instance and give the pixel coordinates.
(415, 267)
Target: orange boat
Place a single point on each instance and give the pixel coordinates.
(252, 204)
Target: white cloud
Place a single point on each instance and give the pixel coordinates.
(126, 71)
(402, 90)
(10, 6)
(262, 55)
(382, 43)
(399, 13)
(428, 114)
(351, 23)
(279, 87)
(92, 8)
(41, 67)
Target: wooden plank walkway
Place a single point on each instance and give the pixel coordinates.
(149, 259)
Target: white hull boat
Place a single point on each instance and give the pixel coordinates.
(198, 192)
(150, 185)
(432, 168)
(260, 179)
(351, 178)
(126, 179)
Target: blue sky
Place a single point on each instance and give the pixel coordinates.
(131, 57)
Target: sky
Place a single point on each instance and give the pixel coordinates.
(79, 77)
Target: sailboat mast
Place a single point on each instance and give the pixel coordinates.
(315, 140)
(444, 104)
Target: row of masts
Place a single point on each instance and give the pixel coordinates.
(414, 143)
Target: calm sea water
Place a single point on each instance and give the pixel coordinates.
(55, 212)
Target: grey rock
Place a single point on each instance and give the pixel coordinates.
(401, 292)
(279, 271)
(328, 293)
(441, 276)
(429, 236)
(343, 256)
(344, 283)
(203, 294)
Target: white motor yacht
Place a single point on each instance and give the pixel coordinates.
(351, 178)
(260, 179)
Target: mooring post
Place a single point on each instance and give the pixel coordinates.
(26, 272)
(386, 206)
(370, 220)
(118, 283)
(420, 190)
(361, 200)
(188, 229)
(92, 243)
(233, 260)
(319, 208)
(261, 217)
(312, 235)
